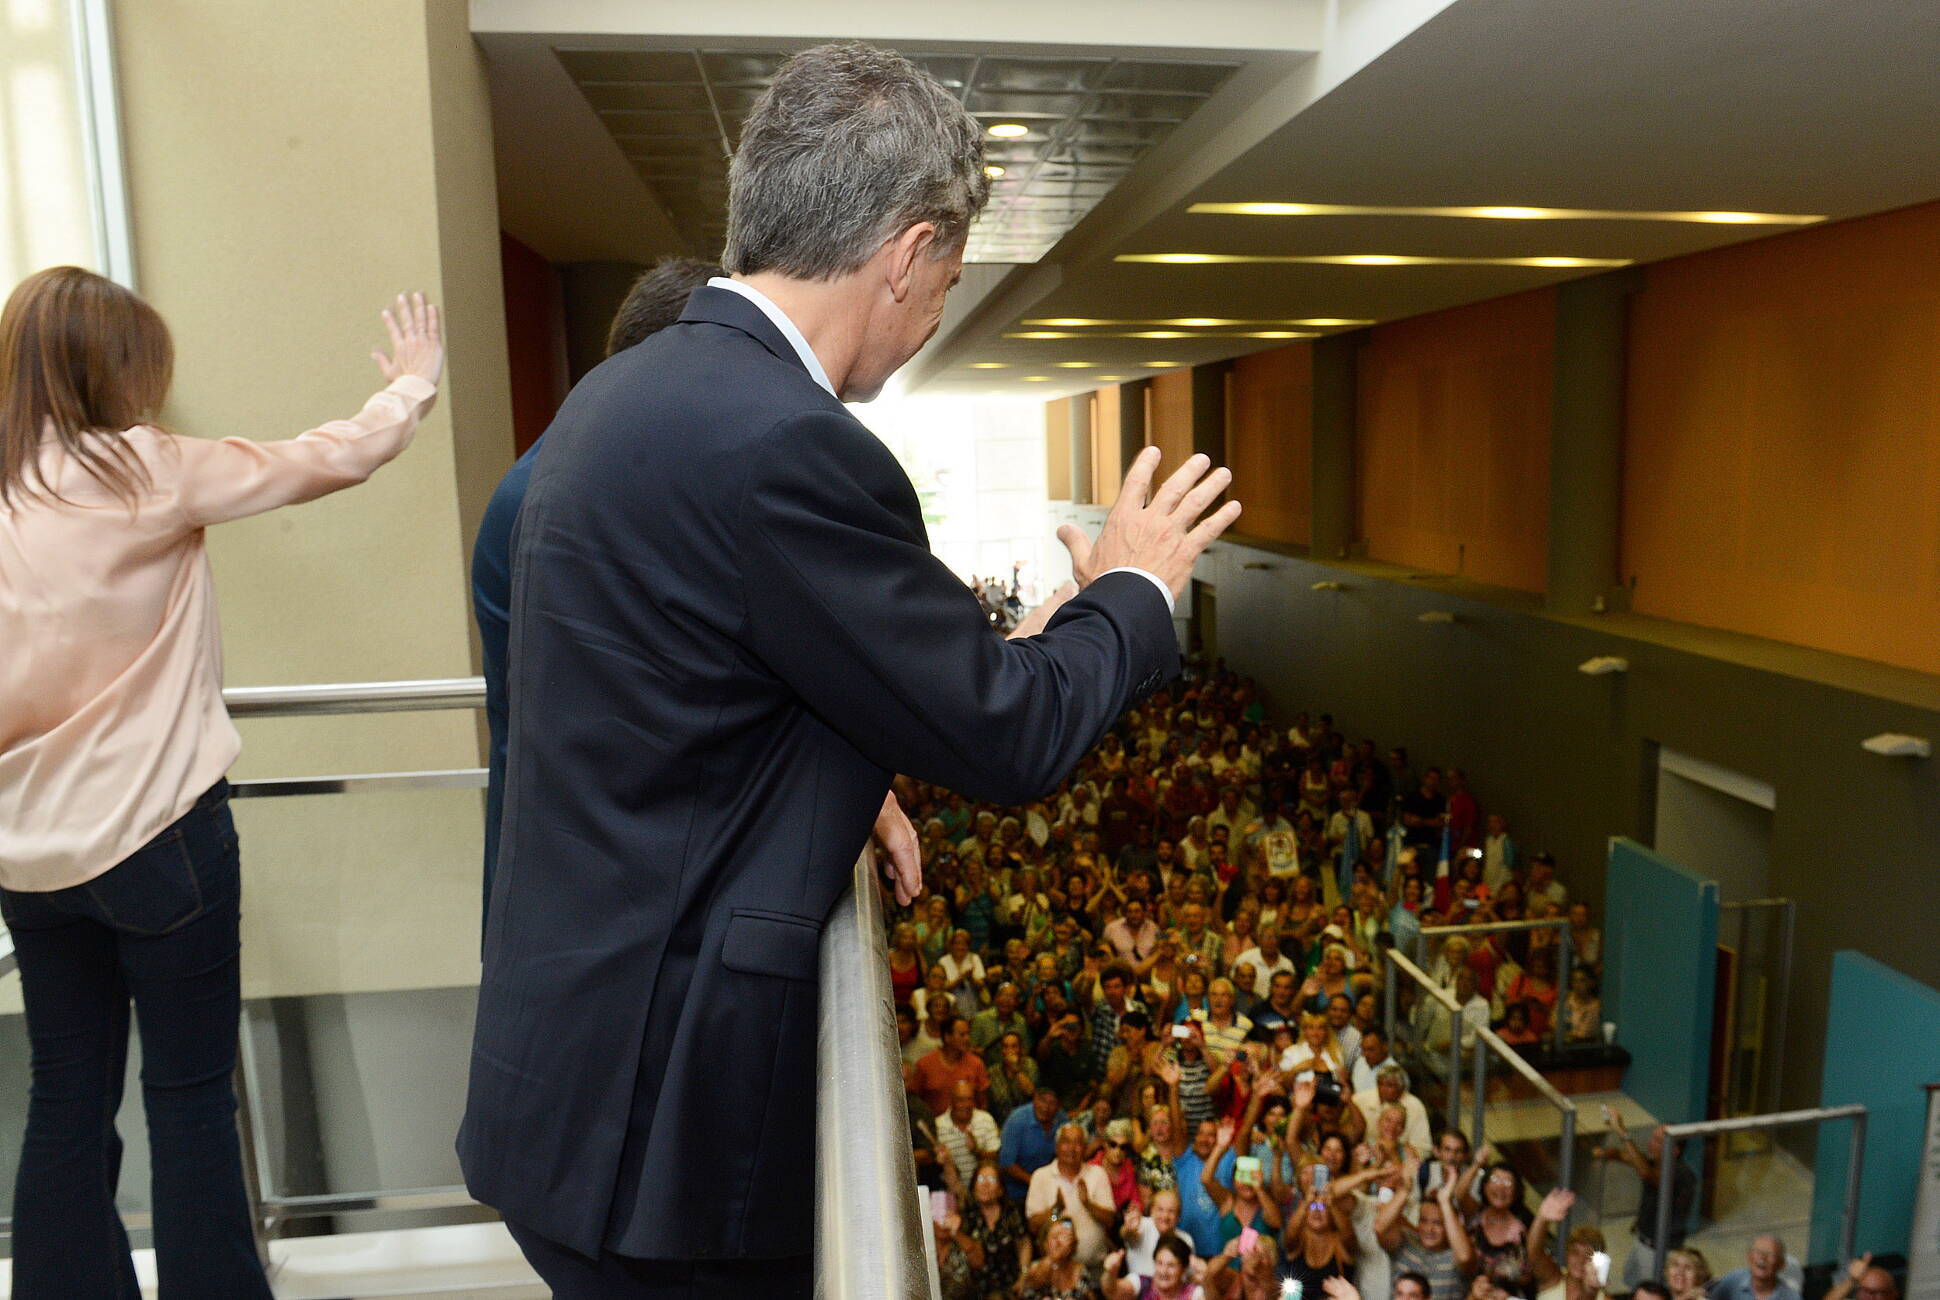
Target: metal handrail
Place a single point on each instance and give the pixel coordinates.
(1564, 962)
(355, 697)
(1486, 1041)
(871, 1232)
(1454, 1009)
(1855, 1164)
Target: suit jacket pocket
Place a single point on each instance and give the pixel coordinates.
(780, 944)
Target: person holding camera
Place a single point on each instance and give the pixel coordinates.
(1435, 1247)
(1245, 1211)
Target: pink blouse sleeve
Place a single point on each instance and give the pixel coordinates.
(233, 478)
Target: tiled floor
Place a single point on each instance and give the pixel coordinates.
(461, 1262)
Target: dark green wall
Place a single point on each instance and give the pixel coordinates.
(1571, 759)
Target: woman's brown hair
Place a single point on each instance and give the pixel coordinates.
(81, 360)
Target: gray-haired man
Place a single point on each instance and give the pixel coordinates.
(727, 634)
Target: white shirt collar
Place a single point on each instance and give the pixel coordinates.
(782, 323)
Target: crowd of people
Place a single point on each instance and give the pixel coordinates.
(1141, 1020)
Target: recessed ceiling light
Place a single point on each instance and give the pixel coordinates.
(993, 171)
(1074, 365)
(1198, 322)
(1165, 334)
(1161, 365)
(1110, 379)
(1036, 379)
(1501, 212)
(1363, 259)
(1007, 130)
(990, 365)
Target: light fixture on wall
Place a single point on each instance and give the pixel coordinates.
(1604, 665)
(1330, 585)
(1435, 616)
(1893, 745)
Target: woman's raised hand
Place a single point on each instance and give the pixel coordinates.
(417, 340)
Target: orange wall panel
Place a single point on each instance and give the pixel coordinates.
(1107, 469)
(1452, 455)
(1782, 454)
(1057, 450)
(1269, 442)
(1168, 424)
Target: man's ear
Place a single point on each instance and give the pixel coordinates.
(904, 250)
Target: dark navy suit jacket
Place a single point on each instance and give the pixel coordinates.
(492, 609)
(727, 634)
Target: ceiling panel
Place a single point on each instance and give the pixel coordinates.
(674, 113)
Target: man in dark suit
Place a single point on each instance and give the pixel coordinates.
(727, 635)
(654, 302)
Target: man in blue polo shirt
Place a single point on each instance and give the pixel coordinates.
(1029, 1140)
(1198, 1214)
(654, 302)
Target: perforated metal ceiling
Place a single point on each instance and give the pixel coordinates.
(677, 113)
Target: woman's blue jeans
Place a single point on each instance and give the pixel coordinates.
(160, 928)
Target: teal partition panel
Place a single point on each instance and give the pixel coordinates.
(1882, 1047)
(1660, 963)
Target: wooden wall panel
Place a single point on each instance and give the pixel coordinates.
(1269, 442)
(1782, 452)
(1107, 466)
(1168, 424)
(1057, 449)
(1452, 471)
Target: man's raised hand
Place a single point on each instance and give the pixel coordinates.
(1164, 535)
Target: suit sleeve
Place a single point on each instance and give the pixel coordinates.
(888, 647)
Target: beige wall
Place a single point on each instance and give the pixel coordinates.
(291, 167)
(44, 214)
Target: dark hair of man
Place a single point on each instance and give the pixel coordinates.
(1655, 1290)
(1122, 974)
(1417, 1279)
(656, 300)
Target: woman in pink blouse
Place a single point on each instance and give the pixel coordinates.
(119, 876)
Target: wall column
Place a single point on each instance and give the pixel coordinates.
(1335, 404)
(1586, 443)
(1209, 410)
(1131, 423)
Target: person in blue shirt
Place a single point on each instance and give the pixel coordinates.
(1198, 1212)
(654, 302)
(1029, 1140)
